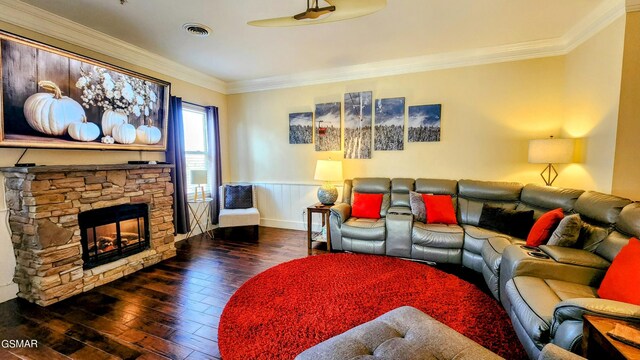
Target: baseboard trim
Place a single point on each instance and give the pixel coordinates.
(8, 292)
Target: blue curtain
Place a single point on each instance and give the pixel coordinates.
(213, 138)
(175, 155)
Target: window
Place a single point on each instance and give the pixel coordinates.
(195, 143)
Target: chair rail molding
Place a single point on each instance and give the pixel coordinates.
(8, 289)
(283, 204)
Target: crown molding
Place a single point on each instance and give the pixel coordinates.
(498, 54)
(597, 20)
(633, 5)
(604, 15)
(41, 21)
(46, 23)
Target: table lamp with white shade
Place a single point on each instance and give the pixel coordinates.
(199, 178)
(551, 151)
(328, 171)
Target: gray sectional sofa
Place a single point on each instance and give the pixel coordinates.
(545, 290)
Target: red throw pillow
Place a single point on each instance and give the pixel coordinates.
(622, 280)
(439, 209)
(366, 205)
(543, 228)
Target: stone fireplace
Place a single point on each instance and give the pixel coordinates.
(77, 227)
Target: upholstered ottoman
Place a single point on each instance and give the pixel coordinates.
(403, 333)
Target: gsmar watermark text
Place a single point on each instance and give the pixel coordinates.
(15, 344)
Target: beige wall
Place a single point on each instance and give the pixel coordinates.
(626, 174)
(592, 96)
(187, 91)
(489, 113)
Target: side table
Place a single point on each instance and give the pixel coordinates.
(200, 209)
(325, 212)
(596, 344)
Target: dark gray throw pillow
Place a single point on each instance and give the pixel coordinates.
(238, 197)
(510, 222)
(567, 232)
(417, 207)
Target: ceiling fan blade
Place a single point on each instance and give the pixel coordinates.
(345, 9)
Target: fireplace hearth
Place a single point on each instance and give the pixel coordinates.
(112, 233)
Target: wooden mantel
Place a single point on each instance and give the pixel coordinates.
(76, 168)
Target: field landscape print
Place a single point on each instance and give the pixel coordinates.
(327, 128)
(357, 125)
(424, 123)
(301, 128)
(389, 124)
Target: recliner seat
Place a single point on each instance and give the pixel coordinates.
(540, 199)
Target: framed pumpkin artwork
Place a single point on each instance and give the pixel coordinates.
(52, 98)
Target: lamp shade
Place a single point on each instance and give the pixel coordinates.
(551, 151)
(199, 177)
(328, 170)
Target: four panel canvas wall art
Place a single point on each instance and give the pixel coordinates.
(389, 124)
(328, 127)
(387, 133)
(424, 123)
(301, 128)
(357, 125)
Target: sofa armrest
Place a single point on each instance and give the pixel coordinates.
(517, 262)
(342, 212)
(579, 257)
(554, 352)
(400, 210)
(575, 309)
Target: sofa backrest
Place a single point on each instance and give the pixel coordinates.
(371, 186)
(400, 188)
(439, 187)
(473, 194)
(541, 199)
(599, 212)
(627, 226)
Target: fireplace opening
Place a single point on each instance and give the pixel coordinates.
(112, 233)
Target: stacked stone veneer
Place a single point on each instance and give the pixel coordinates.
(44, 203)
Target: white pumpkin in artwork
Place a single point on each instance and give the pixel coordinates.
(111, 119)
(148, 134)
(84, 131)
(124, 133)
(52, 113)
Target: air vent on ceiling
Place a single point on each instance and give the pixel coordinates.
(197, 29)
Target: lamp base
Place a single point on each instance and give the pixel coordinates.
(200, 189)
(549, 174)
(327, 194)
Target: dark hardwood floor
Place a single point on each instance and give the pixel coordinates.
(170, 310)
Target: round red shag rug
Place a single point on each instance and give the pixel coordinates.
(295, 305)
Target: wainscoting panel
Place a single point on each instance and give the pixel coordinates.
(283, 205)
(8, 289)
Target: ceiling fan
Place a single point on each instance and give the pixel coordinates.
(315, 14)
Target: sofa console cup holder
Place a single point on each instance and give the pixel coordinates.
(538, 255)
(531, 248)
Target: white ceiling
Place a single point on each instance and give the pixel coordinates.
(237, 52)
